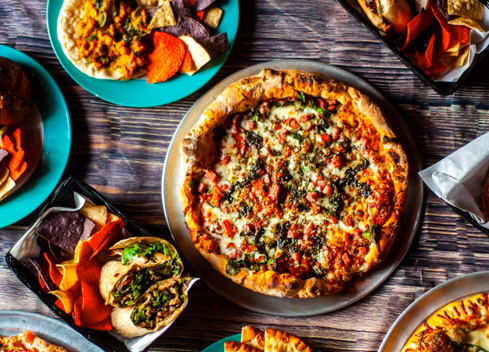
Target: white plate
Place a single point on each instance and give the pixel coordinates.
(452, 290)
(173, 174)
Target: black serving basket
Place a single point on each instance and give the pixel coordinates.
(443, 88)
(63, 196)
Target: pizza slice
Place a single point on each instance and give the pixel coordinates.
(27, 342)
(280, 341)
(253, 337)
(234, 346)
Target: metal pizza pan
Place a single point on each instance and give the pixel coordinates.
(173, 175)
(13, 322)
(422, 308)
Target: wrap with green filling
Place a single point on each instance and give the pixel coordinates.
(160, 305)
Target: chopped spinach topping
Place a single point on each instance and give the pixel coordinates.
(147, 250)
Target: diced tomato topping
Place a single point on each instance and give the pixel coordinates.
(321, 103)
(293, 123)
(325, 138)
(202, 187)
(236, 124)
(363, 142)
(226, 160)
(274, 191)
(331, 108)
(249, 227)
(281, 139)
(293, 233)
(241, 144)
(29, 337)
(305, 118)
(346, 258)
(362, 250)
(266, 178)
(252, 125)
(337, 161)
(309, 230)
(312, 197)
(283, 130)
(357, 232)
(228, 228)
(322, 184)
(211, 176)
(306, 147)
(296, 256)
(328, 190)
(331, 101)
(333, 219)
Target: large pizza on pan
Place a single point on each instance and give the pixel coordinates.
(294, 183)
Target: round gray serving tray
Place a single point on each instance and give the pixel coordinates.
(452, 290)
(173, 175)
(13, 322)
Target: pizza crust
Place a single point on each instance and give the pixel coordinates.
(199, 151)
(234, 346)
(280, 341)
(37, 343)
(253, 337)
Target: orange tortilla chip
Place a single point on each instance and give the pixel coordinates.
(44, 288)
(66, 299)
(108, 235)
(77, 311)
(420, 23)
(53, 272)
(70, 278)
(94, 309)
(430, 51)
(60, 305)
(451, 35)
(104, 325)
(187, 64)
(89, 271)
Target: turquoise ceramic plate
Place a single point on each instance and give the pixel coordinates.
(56, 127)
(138, 93)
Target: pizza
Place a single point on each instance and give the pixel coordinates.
(460, 326)
(270, 340)
(27, 342)
(294, 184)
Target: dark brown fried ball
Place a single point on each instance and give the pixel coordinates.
(15, 92)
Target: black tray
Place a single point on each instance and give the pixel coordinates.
(443, 88)
(63, 196)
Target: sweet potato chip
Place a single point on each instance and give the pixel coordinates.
(451, 35)
(187, 64)
(97, 214)
(420, 23)
(430, 50)
(166, 58)
(69, 282)
(94, 309)
(88, 270)
(77, 311)
(104, 325)
(108, 235)
(54, 274)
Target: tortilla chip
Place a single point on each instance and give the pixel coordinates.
(200, 5)
(200, 56)
(420, 23)
(54, 274)
(4, 171)
(187, 26)
(88, 270)
(466, 8)
(67, 300)
(462, 57)
(108, 235)
(181, 8)
(112, 217)
(69, 282)
(148, 3)
(6, 187)
(88, 227)
(42, 268)
(467, 22)
(216, 45)
(163, 17)
(64, 229)
(77, 311)
(212, 16)
(187, 64)
(94, 309)
(435, 70)
(104, 325)
(451, 35)
(97, 214)
(3, 154)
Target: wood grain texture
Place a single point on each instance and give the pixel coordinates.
(120, 151)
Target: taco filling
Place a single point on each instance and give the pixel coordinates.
(159, 303)
(113, 35)
(135, 283)
(150, 252)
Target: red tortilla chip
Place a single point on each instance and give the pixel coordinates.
(420, 23)
(53, 272)
(437, 68)
(89, 271)
(60, 305)
(44, 288)
(94, 309)
(199, 15)
(187, 64)
(430, 50)
(104, 325)
(451, 34)
(108, 235)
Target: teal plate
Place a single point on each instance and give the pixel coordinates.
(219, 345)
(136, 92)
(56, 141)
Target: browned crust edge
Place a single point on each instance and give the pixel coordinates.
(253, 336)
(276, 340)
(198, 150)
(234, 346)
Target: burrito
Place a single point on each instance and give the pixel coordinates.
(158, 307)
(121, 285)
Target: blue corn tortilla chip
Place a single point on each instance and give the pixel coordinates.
(63, 229)
(88, 227)
(201, 5)
(215, 45)
(181, 8)
(43, 270)
(187, 26)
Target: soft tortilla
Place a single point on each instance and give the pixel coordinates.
(70, 14)
(121, 317)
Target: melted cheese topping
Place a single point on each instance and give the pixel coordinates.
(299, 187)
(459, 326)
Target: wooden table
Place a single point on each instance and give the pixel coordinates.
(120, 151)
